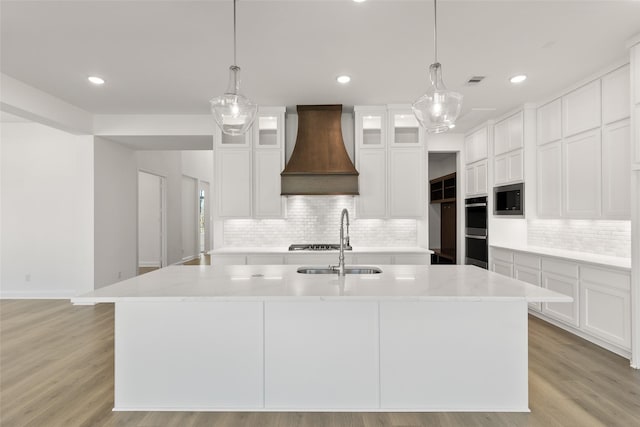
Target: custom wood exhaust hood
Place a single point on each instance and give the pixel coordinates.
(319, 164)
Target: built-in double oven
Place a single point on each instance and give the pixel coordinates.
(476, 232)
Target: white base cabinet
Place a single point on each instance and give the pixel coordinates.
(601, 307)
(321, 258)
(293, 355)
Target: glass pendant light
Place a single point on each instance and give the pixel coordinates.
(234, 112)
(438, 109)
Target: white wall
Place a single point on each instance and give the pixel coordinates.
(115, 212)
(47, 212)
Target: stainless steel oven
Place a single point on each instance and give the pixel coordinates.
(476, 232)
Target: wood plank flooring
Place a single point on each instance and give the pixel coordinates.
(56, 369)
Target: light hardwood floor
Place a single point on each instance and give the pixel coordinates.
(56, 369)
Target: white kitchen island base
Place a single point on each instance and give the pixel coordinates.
(322, 355)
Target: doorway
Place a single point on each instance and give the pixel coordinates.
(190, 218)
(443, 217)
(152, 246)
(204, 218)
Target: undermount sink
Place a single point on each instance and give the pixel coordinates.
(350, 269)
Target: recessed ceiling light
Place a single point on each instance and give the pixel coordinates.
(344, 79)
(359, 1)
(518, 79)
(96, 80)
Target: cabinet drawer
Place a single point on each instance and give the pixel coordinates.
(502, 255)
(228, 259)
(265, 259)
(526, 260)
(613, 279)
(376, 259)
(569, 269)
(411, 259)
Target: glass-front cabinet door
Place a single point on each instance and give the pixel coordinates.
(269, 128)
(404, 128)
(370, 126)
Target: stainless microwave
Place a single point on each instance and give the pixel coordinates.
(509, 200)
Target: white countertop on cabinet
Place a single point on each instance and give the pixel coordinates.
(285, 250)
(282, 282)
(602, 260)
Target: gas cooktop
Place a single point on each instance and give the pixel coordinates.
(317, 247)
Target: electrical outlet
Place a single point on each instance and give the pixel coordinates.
(27, 277)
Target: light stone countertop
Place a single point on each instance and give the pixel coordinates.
(283, 283)
(285, 250)
(602, 260)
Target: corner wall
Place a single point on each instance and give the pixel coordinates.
(47, 212)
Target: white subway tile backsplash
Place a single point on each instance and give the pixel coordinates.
(610, 238)
(316, 219)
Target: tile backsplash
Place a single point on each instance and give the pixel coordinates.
(316, 219)
(610, 238)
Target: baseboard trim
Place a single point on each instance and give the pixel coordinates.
(39, 294)
(149, 264)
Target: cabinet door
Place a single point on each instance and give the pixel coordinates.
(581, 109)
(370, 127)
(616, 170)
(476, 146)
(606, 305)
(501, 169)
(404, 129)
(267, 198)
(269, 128)
(501, 137)
(549, 180)
(516, 131)
(582, 179)
(481, 177)
(516, 172)
(234, 183)
(471, 187)
(531, 276)
(549, 122)
(406, 183)
(228, 259)
(565, 312)
(501, 267)
(372, 201)
(615, 95)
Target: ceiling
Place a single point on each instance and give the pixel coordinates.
(171, 57)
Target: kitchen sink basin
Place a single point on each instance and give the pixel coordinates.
(350, 269)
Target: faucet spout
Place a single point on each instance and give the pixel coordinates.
(343, 240)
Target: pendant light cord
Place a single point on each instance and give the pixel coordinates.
(235, 61)
(435, 32)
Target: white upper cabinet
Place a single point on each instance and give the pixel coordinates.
(582, 183)
(550, 122)
(248, 168)
(391, 161)
(508, 134)
(616, 95)
(581, 109)
(549, 180)
(616, 167)
(475, 145)
(508, 167)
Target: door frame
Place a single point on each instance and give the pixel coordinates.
(163, 217)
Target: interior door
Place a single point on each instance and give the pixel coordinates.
(150, 221)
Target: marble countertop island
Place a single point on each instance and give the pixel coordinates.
(283, 282)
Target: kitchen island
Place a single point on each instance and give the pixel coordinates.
(267, 338)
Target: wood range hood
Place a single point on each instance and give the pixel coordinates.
(319, 164)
